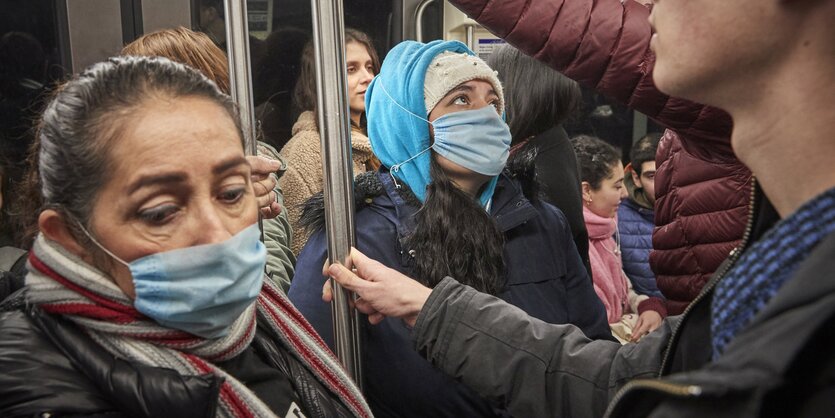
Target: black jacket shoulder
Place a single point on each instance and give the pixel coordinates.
(50, 366)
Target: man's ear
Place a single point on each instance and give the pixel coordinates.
(54, 226)
(636, 178)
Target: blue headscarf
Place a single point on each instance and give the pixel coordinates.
(395, 135)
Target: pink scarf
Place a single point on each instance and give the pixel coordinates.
(606, 268)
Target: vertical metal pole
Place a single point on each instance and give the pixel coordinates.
(470, 37)
(240, 79)
(334, 129)
(240, 74)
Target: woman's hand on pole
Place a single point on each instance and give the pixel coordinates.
(263, 184)
(380, 291)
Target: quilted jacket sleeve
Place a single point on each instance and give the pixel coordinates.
(604, 45)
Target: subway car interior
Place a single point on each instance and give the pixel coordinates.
(299, 209)
(44, 41)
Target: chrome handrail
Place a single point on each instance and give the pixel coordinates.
(335, 133)
(419, 18)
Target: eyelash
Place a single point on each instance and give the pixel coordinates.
(353, 69)
(161, 214)
(494, 103)
(466, 100)
(157, 215)
(236, 195)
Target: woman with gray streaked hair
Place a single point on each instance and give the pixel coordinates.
(146, 293)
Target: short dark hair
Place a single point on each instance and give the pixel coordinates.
(596, 159)
(531, 109)
(644, 150)
(217, 5)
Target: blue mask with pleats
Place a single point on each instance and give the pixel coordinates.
(475, 139)
(203, 289)
(478, 140)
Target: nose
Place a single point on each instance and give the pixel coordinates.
(209, 226)
(623, 193)
(367, 76)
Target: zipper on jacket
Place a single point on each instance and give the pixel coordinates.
(690, 390)
(734, 256)
(673, 389)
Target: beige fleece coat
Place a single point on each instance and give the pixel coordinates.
(303, 177)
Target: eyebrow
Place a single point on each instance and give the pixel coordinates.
(156, 179)
(229, 164)
(180, 177)
(468, 89)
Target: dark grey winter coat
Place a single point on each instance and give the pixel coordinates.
(782, 364)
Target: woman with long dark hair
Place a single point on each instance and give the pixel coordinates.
(303, 151)
(440, 206)
(535, 117)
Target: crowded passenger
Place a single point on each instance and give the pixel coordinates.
(605, 45)
(198, 51)
(535, 115)
(636, 216)
(758, 340)
(146, 293)
(304, 176)
(441, 206)
(631, 316)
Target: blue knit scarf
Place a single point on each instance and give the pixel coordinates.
(766, 266)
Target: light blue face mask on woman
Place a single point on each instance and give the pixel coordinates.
(475, 139)
(478, 139)
(203, 289)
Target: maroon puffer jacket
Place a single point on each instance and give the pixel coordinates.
(702, 190)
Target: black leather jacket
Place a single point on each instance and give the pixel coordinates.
(49, 366)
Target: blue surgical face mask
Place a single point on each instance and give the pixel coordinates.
(478, 140)
(203, 289)
(475, 139)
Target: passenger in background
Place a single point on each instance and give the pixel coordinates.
(534, 115)
(23, 90)
(636, 216)
(304, 150)
(198, 51)
(631, 316)
(212, 22)
(146, 293)
(441, 207)
(273, 80)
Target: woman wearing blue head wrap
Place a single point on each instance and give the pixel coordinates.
(444, 204)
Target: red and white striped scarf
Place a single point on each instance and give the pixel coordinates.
(62, 284)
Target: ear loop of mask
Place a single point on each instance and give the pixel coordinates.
(101, 247)
(396, 167)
